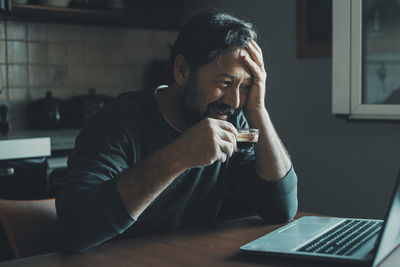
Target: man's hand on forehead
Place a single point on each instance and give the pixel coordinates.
(255, 53)
(255, 62)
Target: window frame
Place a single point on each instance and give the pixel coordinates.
(347, 65)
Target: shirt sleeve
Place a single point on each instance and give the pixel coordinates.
(274, 201)
(89, 207)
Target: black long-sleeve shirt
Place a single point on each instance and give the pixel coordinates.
(129, 129)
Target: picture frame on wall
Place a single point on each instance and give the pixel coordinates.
(314, 28)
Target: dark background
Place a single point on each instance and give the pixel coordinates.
(345, 168)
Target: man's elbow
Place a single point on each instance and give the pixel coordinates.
(283, 210)
(69, 240)
(290, 211)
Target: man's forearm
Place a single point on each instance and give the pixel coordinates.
(140, 185)
(272, 160)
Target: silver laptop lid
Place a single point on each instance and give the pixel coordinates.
(390, 237)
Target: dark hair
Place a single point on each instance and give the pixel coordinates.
(207, 35)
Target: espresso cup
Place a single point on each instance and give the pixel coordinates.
(246, 139)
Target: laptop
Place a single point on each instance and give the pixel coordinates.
(334, 238)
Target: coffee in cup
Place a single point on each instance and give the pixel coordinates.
(246, 139)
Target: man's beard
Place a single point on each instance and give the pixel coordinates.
(191, 104)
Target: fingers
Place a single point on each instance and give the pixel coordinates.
(227, 126)
(256, 54)
(226, 150)
(255, 69)
(227, 134)
(254, 60)
(257, 47)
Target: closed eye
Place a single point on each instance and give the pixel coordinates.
(225, 84)
(246, 87)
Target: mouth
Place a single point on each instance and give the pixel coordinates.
(219, 117)
(218, 114)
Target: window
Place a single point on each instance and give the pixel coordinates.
(366, 58)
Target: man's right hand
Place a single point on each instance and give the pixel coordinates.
(203, 144)
(206, 142)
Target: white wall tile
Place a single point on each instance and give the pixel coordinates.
(18, 94)
(16, 30)
(68, 59)
(75, 33)
(95, 53)
(2, 52)
(57, 53)
(130, 54)
(113, 35)
(17, 114)
(37, 32)
(58, 75)
(3, 97)
(37, 93)
(128, 77)
(77, 76)
(82, 90)
(3, 81)
(16, 52)
(104, 78)
(135, 35)
(102, 35)
(38, 76)
(38, 53)
(63, 93)
(95, 77)
(17, 76)
(113, 55)
(56, 32)
(76, 53)
(3, 78)
(2, 30)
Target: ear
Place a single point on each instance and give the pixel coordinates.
(181, 70)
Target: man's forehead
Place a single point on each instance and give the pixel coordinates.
(233, 53)
(233, 77)
(230, 63)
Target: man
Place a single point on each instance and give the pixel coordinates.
(164, 160)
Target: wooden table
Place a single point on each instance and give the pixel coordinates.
(218, 246)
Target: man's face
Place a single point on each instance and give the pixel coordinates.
(217, 89)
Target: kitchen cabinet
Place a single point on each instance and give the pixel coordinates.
(151, 14)
(44, 152)
(23, 179)
(23, 167)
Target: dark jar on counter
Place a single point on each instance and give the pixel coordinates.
(45, 113)
(79, 110)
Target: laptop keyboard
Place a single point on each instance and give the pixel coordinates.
(344, 239)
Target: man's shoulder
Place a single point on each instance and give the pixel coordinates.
(131, 101)
(134, 96)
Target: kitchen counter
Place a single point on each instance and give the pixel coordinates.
(55, 145)
(60, 139)
(20, 148)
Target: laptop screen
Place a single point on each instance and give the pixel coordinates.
(390, 237)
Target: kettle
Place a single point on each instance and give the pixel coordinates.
(79, 110)
(45, 113)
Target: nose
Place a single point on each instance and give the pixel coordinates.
(232, 97)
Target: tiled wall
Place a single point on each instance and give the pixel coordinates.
(69, 59)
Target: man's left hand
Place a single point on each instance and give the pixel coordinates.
(255, 62)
